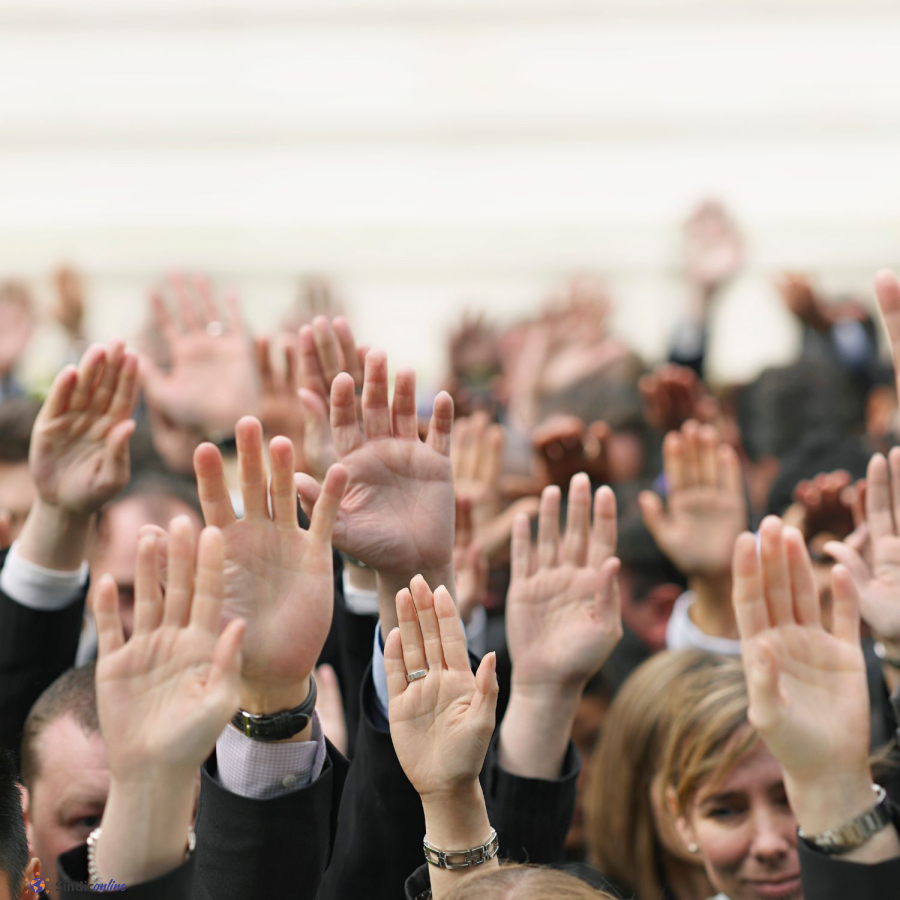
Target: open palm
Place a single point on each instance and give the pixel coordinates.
(79, 455)
(563, 609)
(878, 585)
(807, 686)
(397, 513)
(279, 578)
(441, 724)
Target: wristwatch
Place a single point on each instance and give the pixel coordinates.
(854, 834)
(278, 726)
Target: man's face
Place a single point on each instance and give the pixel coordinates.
(116, 550)
(66, 801)
(16, 493)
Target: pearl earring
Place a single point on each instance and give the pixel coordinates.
(693, 848)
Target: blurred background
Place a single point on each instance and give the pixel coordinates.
(433, 156)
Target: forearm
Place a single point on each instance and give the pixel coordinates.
(390, 584)
(145, 828)
(536, 730)
(260, 697)
(456, 821)
(712, 611)
(54, 538)
(824, 804)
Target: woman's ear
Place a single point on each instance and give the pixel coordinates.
(682, 823)
(33, 884)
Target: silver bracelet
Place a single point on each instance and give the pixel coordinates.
(462, 859)
(855, 833)
(94, 836)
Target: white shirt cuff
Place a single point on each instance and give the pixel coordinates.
(36, 587)
(359, 602)
(262, 771)
(683, 634)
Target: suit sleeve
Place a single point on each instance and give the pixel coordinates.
(175, 885)
(247, 848)
(36, 647)
(832, 878)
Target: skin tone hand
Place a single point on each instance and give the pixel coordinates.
(79, 457)
(212, 380)
(563, 619)
(397, 514)
(469, 564)
(565, 447)
(674, 394)
(441, 725)
(16, 324)
(878, 580)
(326, 349)
(807, 688)
(163, 699)
(281, 411)
(279, 578)
(821, 506)
(706, 512)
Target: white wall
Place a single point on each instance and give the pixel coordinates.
(432, 153)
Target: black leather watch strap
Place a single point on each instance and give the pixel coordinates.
(278, 726)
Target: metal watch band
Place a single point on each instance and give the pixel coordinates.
(279, 726)
(94, 876)
(462, 859)
(854, 834)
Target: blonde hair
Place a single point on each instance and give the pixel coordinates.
(621, 832)
(515, 882)
(709, 735)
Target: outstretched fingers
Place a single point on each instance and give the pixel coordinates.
(107, 619)
(180, 580)
(344, 422)
(428, 622)
(404, 419)
(413, 646)
(328, 503)
(215, 501)
(440, 429)
(453, 638)
(750, 607)
(252, 468)
(209, 593)
(148, 598)
(578, 521)
(605, 530)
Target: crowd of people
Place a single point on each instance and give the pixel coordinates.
(574, 627)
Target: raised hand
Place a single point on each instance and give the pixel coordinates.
(281, 411)
(823, 505)
(807, 687)
(163, 699)
(706, 507)
(79, 455)
(477, 458)
(279, 578)
(16, 324)
(674, 394)
(441, 724)
(397, 513)
(878, 580)
(212, 379)
(326, 349)
(563, 608)
(565, 447)
(470, 566)
(714, 251)
(165, 695)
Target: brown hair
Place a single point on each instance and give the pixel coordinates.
(74, 694)
(621, 832)
(709, 735)
(517, 882)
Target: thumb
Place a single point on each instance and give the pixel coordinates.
(487, 689)
(653, 513)
(118, 457)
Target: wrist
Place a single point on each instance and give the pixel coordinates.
(54, 537)
(824, 802)
(456, 818)
(391, 583)
(261, 699)
(712, 611)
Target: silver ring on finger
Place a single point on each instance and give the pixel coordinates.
(417, 675)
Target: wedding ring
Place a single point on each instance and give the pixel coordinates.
(415, 676)
(215, 329)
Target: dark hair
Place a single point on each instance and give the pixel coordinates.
(73, 694)
(13, 841)
(17, 417)
(158, 487)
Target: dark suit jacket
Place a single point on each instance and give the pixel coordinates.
(831, 878)
(175, 885)
(35, 649)
(381, 822)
